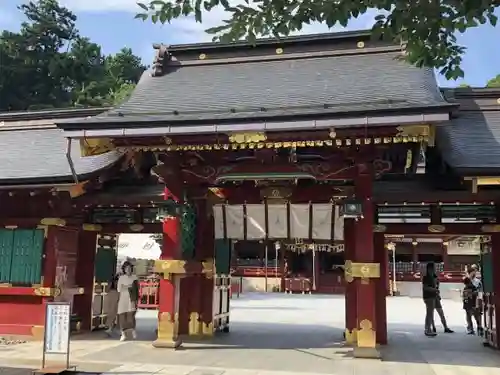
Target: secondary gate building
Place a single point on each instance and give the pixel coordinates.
(270, 141)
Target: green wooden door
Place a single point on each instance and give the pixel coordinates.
(6, 240)
(223, 256)
(21, 252)
(486, 267)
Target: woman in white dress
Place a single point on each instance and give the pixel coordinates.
(128, 289)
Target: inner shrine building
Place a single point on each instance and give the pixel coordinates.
(311, 139)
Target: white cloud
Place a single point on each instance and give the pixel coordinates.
(187, 29)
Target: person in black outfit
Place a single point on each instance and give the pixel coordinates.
(469, 298)
(439, 308)
(430, 292)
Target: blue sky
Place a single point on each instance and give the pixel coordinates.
(111, 24)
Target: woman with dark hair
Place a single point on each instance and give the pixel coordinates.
(128, 289)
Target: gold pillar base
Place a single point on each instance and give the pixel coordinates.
(351, 336)
(364, 352)
(167, 344)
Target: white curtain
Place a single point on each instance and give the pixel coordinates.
(218, 222)
(299, 221)
(322, 221)
(256, 221)
(277, 221)
(235, 222)
(338, 230)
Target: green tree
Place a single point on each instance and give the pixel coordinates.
(464, 86)
(494, 82)
(48, 64)
(427, 27)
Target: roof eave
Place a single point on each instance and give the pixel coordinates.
(138, 121)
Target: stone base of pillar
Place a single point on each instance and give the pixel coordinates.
(369, 353)
(167, 344)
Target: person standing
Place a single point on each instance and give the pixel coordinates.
(469, 297)
(439, 308)
(112, 305)
(128, 289)
(430, 293)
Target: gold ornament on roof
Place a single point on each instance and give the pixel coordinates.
(279, 51)
(202, 56)
(247, 137)
(361, 45)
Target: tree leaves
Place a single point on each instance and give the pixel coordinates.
(47, 64)
(426, 27)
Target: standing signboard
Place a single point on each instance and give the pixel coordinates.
(56, 339)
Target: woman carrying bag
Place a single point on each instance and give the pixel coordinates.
(128, 289)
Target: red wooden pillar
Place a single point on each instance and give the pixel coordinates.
(414, 258)
(205, 237)
(444, 254)
(495, 261)
(169, 296)
(350, 288)
(382, 288)
(49, 260)
(84, 277)
(366, 291)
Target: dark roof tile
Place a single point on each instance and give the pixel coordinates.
(35, 151)
(327, 85)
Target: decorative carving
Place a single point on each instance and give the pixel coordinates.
(92, 227)
(323, 171)
(208, 268)
(170, 266)
(351, 336)
(364, 271)
(207, 328)
(95, 146)
(136, 228)
(208, 173)
(379, 228)
(276, 193)
(381, 166)
(47, 292)
(490, 228)
(427, 132)
(240, 138)
(436, 228)
(366, 337)
(53, 221)
(195, 326)
(168, 328)
(161, 60)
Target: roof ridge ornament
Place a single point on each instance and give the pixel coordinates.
(161, 59)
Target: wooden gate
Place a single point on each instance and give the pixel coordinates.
(104, 270)
(222, 285)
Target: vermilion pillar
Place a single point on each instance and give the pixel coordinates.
(366, 291)
(169, 288)
(205, 252)
(382, 287)
(84, 277)
(350, 288)
(495, 261)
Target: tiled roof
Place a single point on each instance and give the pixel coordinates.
(34, 151)
(470, 142)
(333, 80)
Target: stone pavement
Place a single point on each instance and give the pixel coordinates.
(278, 334)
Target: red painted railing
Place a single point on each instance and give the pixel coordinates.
(148, 294)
